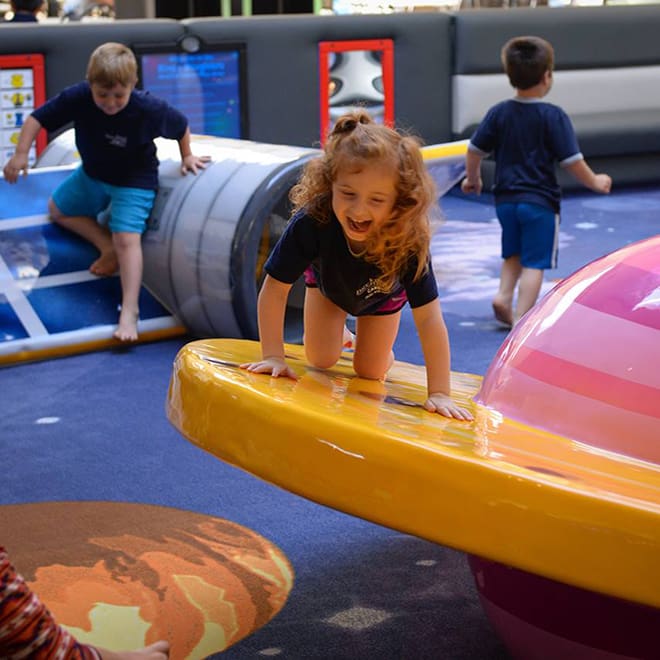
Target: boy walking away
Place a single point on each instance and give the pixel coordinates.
(115, 127)
(528, 137)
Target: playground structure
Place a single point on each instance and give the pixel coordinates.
(636, 156)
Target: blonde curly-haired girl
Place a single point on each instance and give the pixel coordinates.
(360, 233)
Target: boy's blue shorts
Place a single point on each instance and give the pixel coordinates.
(530, 231)
(130, 208)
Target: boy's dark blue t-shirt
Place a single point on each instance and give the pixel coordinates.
(527, 138)
(348, 281)
(117, 149)
(23, 17)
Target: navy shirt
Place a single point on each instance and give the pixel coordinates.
(348, 281)
(117, 149)
(527, 139)
(24, 17)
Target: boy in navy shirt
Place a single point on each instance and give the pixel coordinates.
(115, 127)
(527, 137)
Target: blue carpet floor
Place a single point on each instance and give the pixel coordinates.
(92, 427)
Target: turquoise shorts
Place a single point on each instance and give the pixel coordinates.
(530, 231)
(129, 208)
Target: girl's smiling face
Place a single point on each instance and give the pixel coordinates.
(363, 199)
(111, 100)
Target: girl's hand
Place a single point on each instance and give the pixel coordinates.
(274, 366)
(443, 404)
(192, 163)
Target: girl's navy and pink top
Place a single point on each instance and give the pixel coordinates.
(116, 149)
(320, 251)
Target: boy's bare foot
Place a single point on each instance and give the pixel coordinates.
(503, 312)
(106, 264)
(158, 651)
(127, 328)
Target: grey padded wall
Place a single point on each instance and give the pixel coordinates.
(583, 37)
(432, 50)
(67, 46)
(283, 79)
(282, 63)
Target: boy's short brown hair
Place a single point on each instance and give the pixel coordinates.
(111, 64)
(526, 60)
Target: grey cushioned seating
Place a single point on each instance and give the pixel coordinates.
(613, 133)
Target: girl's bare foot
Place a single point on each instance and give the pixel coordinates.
(127, 328)
(349, 338)
(503, 311)
(106, 264)
(158, 651)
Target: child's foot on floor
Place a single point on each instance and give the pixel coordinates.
(349, 339)
(503, 312)
(127, 328)
(106, 264)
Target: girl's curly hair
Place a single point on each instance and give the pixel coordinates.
(355, 142)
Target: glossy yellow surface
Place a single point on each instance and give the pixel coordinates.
(444, 150)
(493, 487)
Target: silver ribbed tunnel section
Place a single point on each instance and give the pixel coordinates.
(211, 233)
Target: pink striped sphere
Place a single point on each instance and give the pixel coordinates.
(584, 363)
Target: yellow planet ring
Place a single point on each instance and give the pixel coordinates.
(494, 487)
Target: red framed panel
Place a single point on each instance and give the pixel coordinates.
(22, 89)
(385, 48)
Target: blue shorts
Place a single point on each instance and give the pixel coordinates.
(530, 231)
(129, 208)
